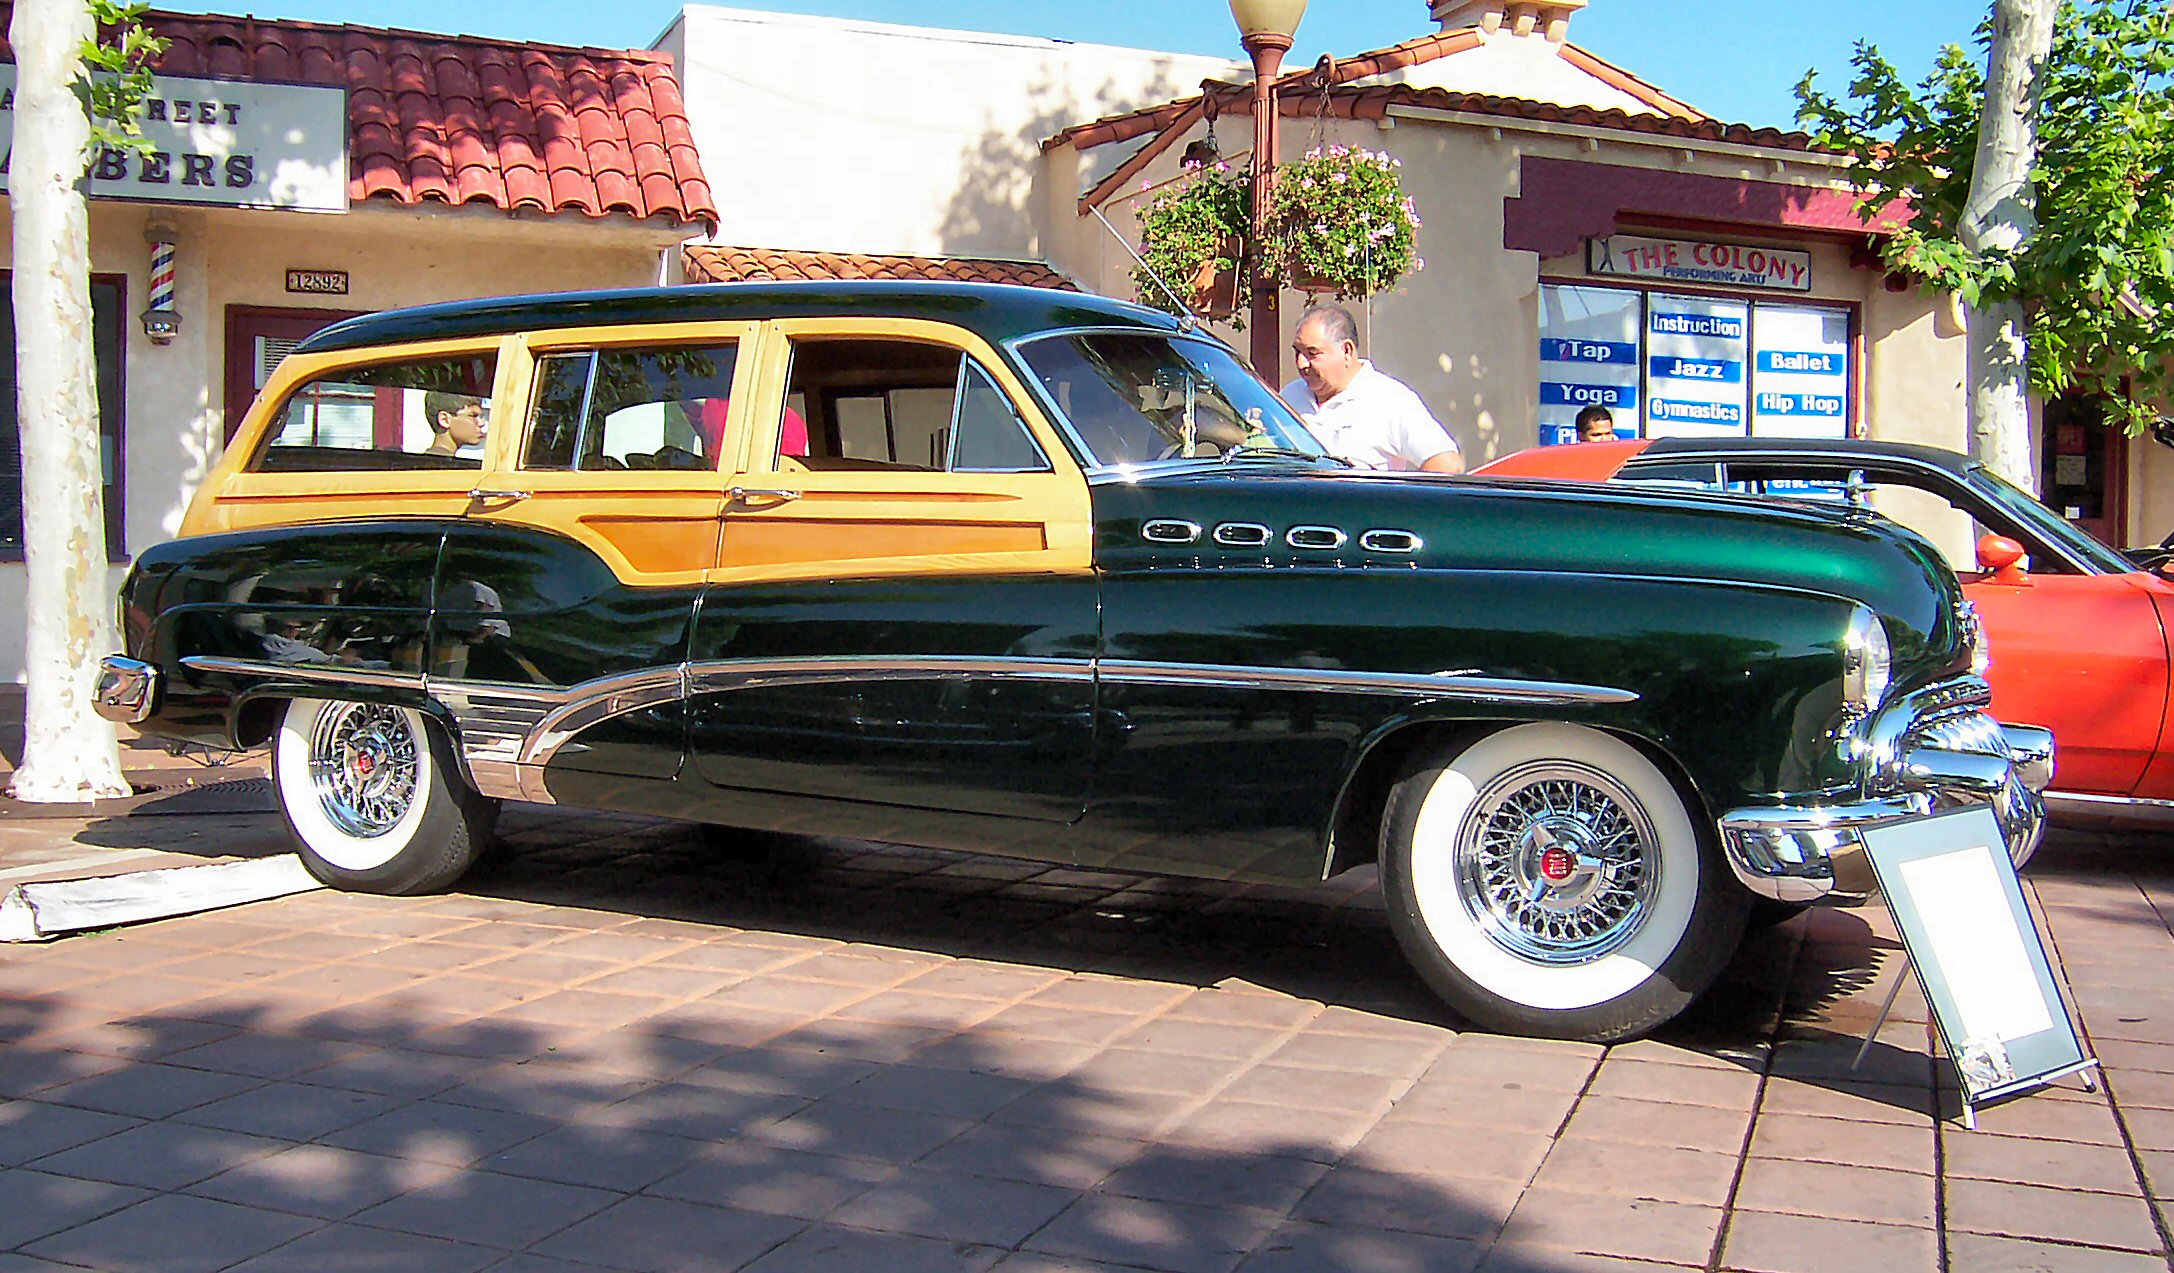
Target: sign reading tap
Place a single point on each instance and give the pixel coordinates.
(233, 143)
(1685, 261)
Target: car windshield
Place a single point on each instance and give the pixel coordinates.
(2047, 523)
(1133, 398)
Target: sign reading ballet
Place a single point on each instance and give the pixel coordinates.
(233, 143)
(1687, 261)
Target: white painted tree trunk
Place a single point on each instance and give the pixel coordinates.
(1998, 215)
(69, 752)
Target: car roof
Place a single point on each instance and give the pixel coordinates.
(1839, 449)
(995, 311)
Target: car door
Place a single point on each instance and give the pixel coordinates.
(2080, 652)
(902, 611)
(567, 591)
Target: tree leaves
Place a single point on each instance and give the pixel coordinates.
(2097, 277)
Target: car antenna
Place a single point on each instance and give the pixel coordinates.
(1187, 320)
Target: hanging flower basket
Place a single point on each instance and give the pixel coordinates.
(1340, 223)
(1192, 237)
(1215, 284)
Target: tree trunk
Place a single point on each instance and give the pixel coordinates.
(1998, 217)
(69, 752)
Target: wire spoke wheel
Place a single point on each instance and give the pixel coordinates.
(374, 798)
(363, 763)
(1557, 862)
(1550, 878)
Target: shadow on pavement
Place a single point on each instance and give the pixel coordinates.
(202, 1138)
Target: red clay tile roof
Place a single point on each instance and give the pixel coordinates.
(457, 119)
(1298, 96)
(716, 263)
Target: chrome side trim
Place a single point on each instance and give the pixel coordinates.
(2085, 799)
(1243, 535)
(1316, 538)
(2139, 810)
(1390, 540)
(725, 675)
(316, 673)
(1449, 685)
(1170, 530)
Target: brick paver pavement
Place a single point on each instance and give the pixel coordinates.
(637, 1045)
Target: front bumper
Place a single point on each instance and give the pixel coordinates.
(127, 690)
(1928, 763)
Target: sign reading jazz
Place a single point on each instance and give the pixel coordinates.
(237, 144)
(1695, 354)
(1684, 261)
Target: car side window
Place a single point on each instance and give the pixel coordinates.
(1706, 476)
(424, 414)
(899, 405)
(987, 435)
(611, 409)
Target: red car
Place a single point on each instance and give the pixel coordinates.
(2077, 632)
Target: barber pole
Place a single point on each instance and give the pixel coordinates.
(161, 321)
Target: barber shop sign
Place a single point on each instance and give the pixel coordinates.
(232, 143)
(1689, 261)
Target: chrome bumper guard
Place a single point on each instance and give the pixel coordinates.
(128, 689)
(1815, 853)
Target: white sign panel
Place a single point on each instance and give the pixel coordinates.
(1695, 353)
(1800, 372)
(1687, 261)
(1961, 913)
(1588, 358)
(232, 143)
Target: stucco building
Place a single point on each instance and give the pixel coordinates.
(1589, 238)
(304, 172)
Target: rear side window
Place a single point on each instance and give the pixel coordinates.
(609, 409)
(431, 413)
(901, 405)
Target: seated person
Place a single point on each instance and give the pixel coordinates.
(459, 422)
(793, 438)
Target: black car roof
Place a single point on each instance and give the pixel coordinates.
(1841, 449)
(995, 311)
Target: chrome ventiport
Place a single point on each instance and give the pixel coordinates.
(1170, 530)
(1391, 541)
(1243, 535)
(1319, 538)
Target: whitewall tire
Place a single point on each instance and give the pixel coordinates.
(1549, 879)
(372, 800)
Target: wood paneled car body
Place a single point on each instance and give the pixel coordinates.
(1042, 574)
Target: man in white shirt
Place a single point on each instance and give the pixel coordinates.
(1360, 414)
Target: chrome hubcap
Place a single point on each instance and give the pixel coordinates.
(364, 766)
(1558, 863)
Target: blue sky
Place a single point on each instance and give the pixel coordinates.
(1737, 59)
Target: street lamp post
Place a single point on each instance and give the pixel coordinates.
(1266, 29)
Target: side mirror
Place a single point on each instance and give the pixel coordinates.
(2003, 558)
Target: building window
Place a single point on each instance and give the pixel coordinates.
(107, 311)
(1673, 365)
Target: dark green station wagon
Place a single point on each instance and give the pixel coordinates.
(1033, 573)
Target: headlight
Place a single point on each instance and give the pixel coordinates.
(1867, 662)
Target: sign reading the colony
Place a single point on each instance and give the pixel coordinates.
(228, 142)
(1684, 261)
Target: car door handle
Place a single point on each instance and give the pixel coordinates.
(509, 496)
(741, 494)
